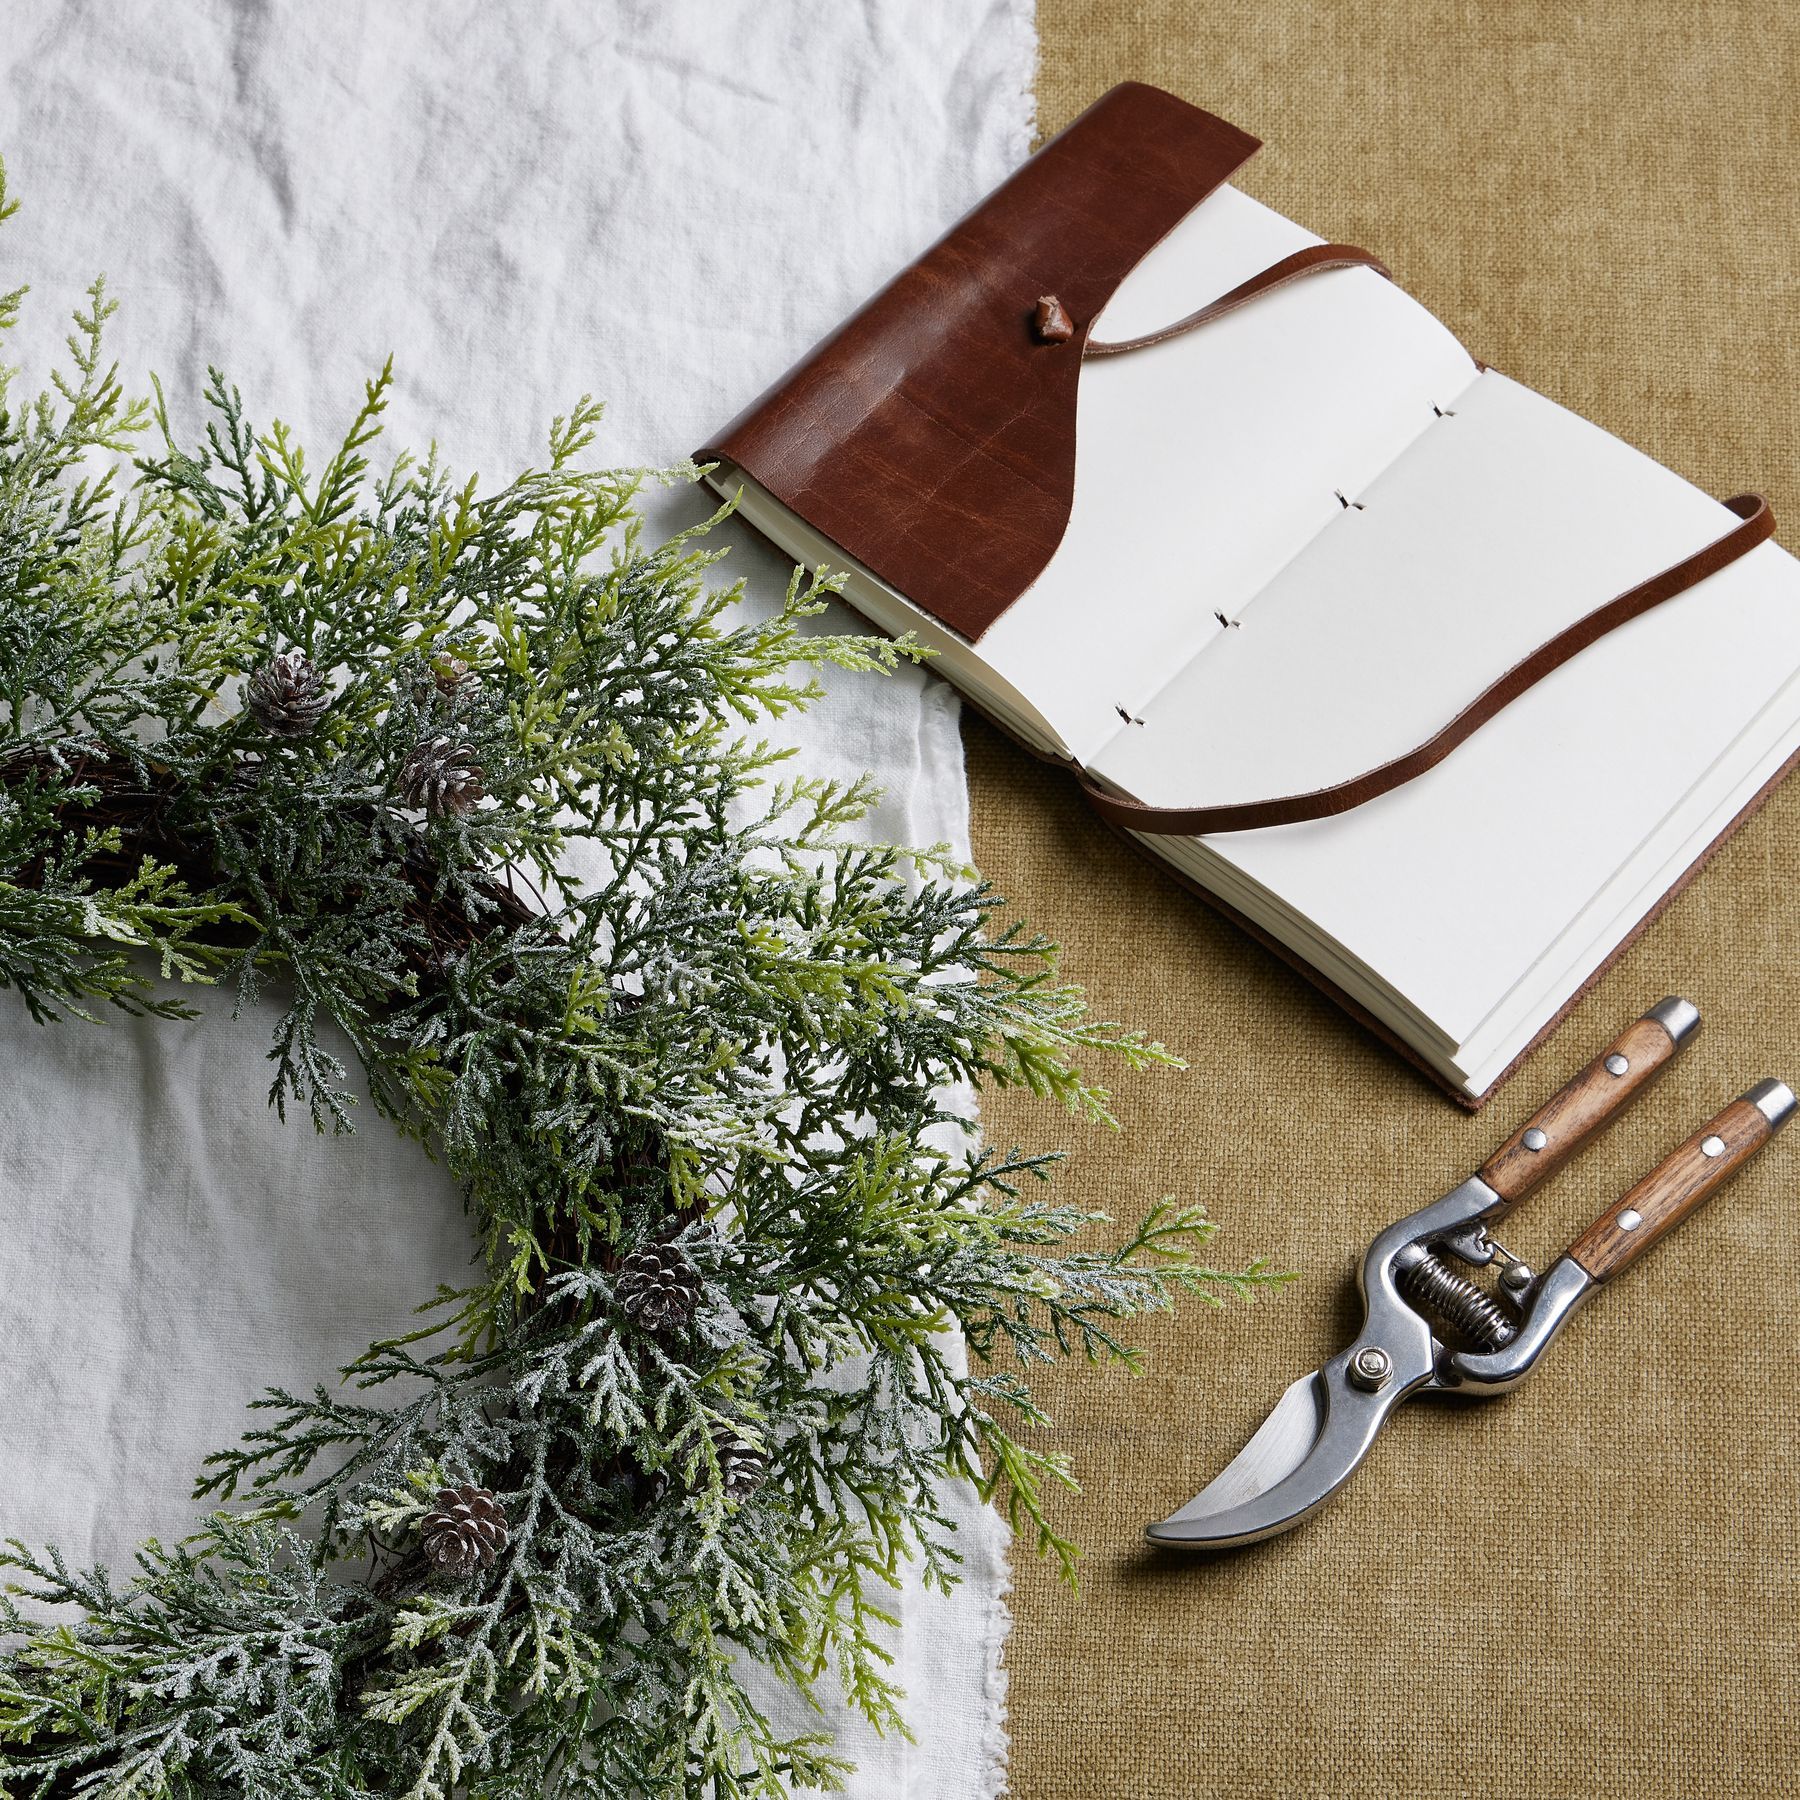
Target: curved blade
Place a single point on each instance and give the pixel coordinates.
(1281, 1444)
(1302, 1453)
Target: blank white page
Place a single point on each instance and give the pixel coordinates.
(1205, 463)
(1501, 526)
(1496, 529)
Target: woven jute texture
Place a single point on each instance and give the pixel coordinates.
(1591, 1587)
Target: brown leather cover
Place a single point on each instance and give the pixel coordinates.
(932, 436)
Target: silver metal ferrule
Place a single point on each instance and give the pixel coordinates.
(1774, 1100)
(1679, 1018)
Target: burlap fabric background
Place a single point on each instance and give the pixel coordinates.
(1590, 1587)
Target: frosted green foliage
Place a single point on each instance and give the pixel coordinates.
(220, 668)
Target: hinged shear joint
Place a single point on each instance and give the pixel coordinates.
(1428, 1328)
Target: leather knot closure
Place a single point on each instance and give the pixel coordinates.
(1050, 323)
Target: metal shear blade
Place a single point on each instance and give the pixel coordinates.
(1317, 1436)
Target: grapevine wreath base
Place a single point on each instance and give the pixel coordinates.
(332, 737)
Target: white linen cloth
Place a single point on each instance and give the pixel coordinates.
(661, 204)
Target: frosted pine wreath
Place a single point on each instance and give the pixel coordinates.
(333, 737)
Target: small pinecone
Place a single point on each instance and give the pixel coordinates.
(742, 1467)
(465, 1531)
(287, 695)
(742, 1471)
(452, 677)
(442, 776)
(658, 1288)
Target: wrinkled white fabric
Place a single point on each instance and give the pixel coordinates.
(660, 204)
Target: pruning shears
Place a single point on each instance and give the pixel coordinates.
(1430, 1328)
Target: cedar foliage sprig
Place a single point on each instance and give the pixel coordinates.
(644, 990)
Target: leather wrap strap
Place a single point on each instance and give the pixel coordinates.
(1757, 525)
(1313, 260)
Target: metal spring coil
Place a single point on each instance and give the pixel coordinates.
(1460, 1302)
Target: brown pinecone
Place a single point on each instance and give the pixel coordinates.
(465, 1531)
(658, 1287)
(742, 1467)
(742, 1471)
(442, 775)
(287, 695)
(453, 677)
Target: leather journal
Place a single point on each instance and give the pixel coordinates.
(1320, 610)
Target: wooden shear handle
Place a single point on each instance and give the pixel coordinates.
(1591, 1101)
(1683, 1181)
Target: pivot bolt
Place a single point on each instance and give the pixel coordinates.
(1370, 1369)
